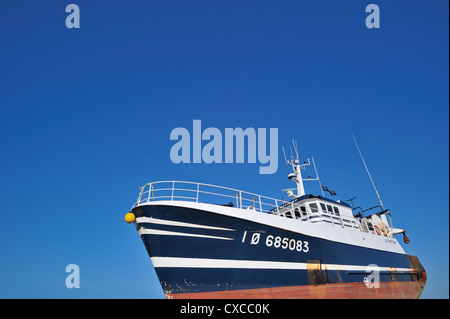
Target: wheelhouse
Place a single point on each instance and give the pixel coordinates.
(318, 209)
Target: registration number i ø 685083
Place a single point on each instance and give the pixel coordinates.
(278, 242)
(287, 243)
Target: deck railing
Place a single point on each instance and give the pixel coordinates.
(207, 193)
(213, 194)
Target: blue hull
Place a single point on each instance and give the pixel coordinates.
(270, 257)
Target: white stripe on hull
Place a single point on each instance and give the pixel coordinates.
(179, 262)
(146, 231)
(175, 223)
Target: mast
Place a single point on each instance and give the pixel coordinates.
(297, 168)
(298, 177)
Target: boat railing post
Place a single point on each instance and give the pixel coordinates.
(260, 205)
(142, 193)
(240, 199)
(292, 210)
(173, 189)
(237, 200)
(278, 210)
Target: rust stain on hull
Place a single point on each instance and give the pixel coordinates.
(387, 290)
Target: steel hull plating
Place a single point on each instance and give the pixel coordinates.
(386, 290)
(204, 254)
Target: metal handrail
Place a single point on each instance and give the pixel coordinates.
(152, 192)
(244, 200)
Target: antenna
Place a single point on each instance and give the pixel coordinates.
(294, 143)
(285, 156)
(317, 175)
(373, 184)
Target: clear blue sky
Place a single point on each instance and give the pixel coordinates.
(86, 114)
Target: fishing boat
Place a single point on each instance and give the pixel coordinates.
(209, 241)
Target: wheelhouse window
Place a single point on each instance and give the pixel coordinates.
(336, 211)
(324, 209)
(314, 208)
(330, 209)
(304, 214)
